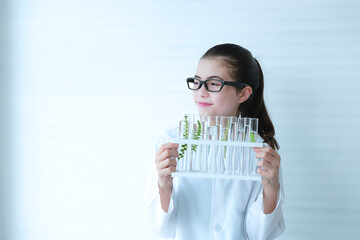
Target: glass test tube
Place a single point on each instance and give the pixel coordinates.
(204, 148)
(233, 137)
(238, 150)
(224, 158)
(246, 150)
(182, 148)
(232, 150)
(190, 133)
(212, 125)
(221, 150)
(253, 138)
(196, 148)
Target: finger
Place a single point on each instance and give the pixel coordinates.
(264, 156)
(167, 146)
(268, 150)
(267, 174)
(275, 161)
(264, 165)
(168, 153)
(165, 172)
(169, 162)
(262, 153)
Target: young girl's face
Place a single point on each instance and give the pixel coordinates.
(223, 103)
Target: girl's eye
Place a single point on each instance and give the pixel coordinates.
(215, 83)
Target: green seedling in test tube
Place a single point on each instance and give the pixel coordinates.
(252, 137)
(186, 136)
(197, 135)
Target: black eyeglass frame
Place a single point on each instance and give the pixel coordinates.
(223, 83)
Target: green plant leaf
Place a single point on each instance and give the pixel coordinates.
(252, 137)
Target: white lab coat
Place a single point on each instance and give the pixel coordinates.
(202, 209)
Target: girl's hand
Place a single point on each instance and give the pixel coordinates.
(165, 161)
(268, 167)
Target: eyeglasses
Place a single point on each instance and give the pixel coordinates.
(212, 85)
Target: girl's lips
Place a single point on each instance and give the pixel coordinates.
(204, 104)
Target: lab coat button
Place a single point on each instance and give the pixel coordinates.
(218, 227)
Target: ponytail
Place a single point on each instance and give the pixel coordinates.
(255, 107)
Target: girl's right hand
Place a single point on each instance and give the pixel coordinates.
(165, 161)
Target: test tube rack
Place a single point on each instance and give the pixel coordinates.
(236, 148)
(217, 147)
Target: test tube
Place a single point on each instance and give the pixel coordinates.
(197, 148)
(205, 148)
(212, 125)
(233, 137)
(183, 134)
(232, 149)
(189, 151)
(224, 158)
(221, 151)
(238, 158)
(246, 150)
(253, 138)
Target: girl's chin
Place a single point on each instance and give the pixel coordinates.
(212, 113)
(206, 113)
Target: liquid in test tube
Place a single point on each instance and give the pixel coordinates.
(213, 130)
(253, 138)
(182, 148)
(246, 150)
(239, 159)
(197, 148)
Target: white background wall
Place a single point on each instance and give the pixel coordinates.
(5, 122)
(95, 82)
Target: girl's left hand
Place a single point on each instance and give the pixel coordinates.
(268, 167)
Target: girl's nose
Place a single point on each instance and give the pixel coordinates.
(202, 91)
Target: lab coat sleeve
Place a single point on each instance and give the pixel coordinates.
(261, 226)
(162, 223)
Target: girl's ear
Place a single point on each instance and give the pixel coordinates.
(244, 94)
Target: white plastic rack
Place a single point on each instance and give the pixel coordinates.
(218, 160)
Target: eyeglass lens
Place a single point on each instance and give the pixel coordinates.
(211, 84)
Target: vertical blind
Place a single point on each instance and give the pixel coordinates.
(96, 82)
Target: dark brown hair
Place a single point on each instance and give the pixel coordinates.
(246, 69)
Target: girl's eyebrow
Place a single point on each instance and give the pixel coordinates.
(210, 77)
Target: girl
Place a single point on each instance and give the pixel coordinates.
(193, 208)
